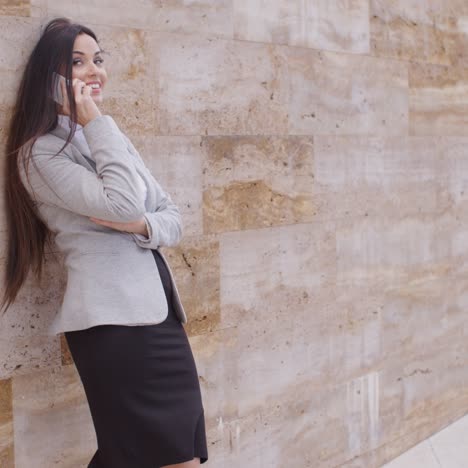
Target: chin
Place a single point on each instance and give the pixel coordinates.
(97, 99)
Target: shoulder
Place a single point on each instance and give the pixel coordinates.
(44, 150)
(49, 143)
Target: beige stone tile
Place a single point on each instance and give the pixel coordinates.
(53, 425)
(353, 333)
(338, 26)
(432, 31)
(24, 343)
(454, 197)
(354, 161)
(453, 167)
(203, 17)
(7, 457)
(367, 176)
(18, 36)
(140, 14)
(268, 357)
(15, 8)
(6, 425)
(3, 221)
(386, 252)
(176, 163)
(409, 314)
(436, 100)
(220, 87)
(5, 115)
(346, 94)
(457, 239)
(37, 9)
(65, 352)
(3, 247)
(427, 11)
(258, 267)
(195, 264)
(256, 182)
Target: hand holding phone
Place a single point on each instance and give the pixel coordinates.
(86, 108)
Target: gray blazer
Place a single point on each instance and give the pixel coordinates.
(112, 275)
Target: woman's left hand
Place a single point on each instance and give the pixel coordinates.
(137, 227)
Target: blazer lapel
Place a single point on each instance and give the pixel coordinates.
(62, 133)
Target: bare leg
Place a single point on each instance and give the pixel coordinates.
(195, 463)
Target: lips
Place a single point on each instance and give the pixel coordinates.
(95, 90)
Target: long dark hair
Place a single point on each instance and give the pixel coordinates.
(34, 115)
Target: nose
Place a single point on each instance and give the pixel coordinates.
(92, 69)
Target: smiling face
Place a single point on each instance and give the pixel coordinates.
(88, 65)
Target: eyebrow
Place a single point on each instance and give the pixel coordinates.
(82, 53)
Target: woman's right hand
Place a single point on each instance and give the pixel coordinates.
(86, 108)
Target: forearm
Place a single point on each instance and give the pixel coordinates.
(142, 228)
(163, 228)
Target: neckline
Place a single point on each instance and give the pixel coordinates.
(65, 122)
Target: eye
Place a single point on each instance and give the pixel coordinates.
(100, 60)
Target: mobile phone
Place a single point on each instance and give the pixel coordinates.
(57, 94)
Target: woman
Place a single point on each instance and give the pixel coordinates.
(72, 172)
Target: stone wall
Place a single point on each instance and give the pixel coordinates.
(317, 150)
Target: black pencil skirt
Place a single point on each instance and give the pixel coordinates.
(143, 392)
